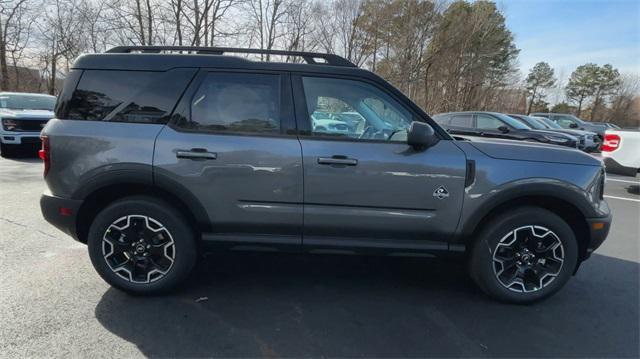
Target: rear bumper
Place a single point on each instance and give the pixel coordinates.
(61, 213)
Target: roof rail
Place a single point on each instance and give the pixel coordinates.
(310, 57)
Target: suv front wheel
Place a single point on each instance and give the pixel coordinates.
(142, 245)
(524, 255)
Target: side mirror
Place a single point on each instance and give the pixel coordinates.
(573, 125)
(420, 135)
(503, 129)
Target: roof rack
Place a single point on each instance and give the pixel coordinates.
(310, 57)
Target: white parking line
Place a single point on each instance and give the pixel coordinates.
(623, 198)
(623, 181)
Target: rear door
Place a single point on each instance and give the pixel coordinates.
(366, 186)
(231, 143)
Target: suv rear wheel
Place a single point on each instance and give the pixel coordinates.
(524, 256)
(142, 245)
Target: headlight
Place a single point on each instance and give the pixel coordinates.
(556, 139)
(9, 124)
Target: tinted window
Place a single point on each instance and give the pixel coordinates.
(237, 103)
(354, 109)
(564, 121)
(487, 122)
(27, 102)
(462, 121)
(127, 96)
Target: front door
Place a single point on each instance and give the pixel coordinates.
(232, 146)
(362, 182)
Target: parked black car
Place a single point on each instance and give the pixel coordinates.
(572, 122)
(498, 125)
(587, 141)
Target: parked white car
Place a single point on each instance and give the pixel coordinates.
(22, 116)
(621, 151)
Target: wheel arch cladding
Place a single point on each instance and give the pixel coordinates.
(564, 209)
(101, 197)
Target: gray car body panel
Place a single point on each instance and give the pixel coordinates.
(388, 194)
(88, 155)
(499, 180)
(254, 185)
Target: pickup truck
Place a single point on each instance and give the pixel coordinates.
(621, 151)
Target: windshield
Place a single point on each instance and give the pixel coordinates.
(27, 102)
(548, 122)
(571, 117)
(512, 122)
(541, 124)
(530, 121)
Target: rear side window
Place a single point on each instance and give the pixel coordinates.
(462, 121)
(235, 102)
(126, 96)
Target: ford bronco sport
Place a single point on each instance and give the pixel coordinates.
(158, 153)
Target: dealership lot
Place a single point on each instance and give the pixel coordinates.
(247, 305)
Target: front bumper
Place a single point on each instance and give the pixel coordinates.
(19, 138)
(61, 213)
(598, 231)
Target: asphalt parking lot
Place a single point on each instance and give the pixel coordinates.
(53, 304)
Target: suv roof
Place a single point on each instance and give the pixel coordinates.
(163, 58)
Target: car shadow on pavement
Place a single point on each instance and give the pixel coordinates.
(275, 305)
(633, 189)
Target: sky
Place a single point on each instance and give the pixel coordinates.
(570, 33)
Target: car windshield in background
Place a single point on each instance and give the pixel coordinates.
(531, 122)
(26, 102)
(512, 122)
(548, 122)
(541, 125)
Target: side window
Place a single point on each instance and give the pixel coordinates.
(353, 109)
(465, 121)
(486, 122)
(564, 121)
(126, 96)
(237, 103)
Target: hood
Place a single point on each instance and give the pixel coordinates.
(553, 133)
(529, 151)
(574, 132)
(14, 113)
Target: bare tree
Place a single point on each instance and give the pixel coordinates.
(265, 25)
(14, 31)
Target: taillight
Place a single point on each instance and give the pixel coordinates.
(44, 154)
(611, 142)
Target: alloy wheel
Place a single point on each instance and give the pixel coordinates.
(138, 248)
(528, 259)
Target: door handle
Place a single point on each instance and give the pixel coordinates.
(196, 153)
(337, 160)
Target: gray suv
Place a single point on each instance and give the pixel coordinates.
(159, 153)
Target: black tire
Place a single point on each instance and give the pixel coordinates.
(521, 227)
(7, 151)
(178, 242)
